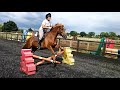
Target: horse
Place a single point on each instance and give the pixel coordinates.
(49, 42)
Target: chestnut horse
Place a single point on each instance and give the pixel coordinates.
(50, 40)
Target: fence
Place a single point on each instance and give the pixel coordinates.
(13, 36)
(76, 45)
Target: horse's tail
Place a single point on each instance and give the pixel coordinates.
(28, 43)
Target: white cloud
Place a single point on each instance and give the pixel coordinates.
(23, 19)
(16, 16)
(88, 21)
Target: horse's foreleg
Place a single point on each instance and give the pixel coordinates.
(51, 49)
(59, 47)
(61, 51)
(54, 54)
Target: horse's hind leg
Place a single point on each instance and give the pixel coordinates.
(34, 49)
(27, 46)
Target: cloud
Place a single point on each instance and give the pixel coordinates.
(78, 21)
(90, 21)
(23, 19)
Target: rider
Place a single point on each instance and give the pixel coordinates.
(45, 26)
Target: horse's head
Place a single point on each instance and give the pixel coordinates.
(61, 30)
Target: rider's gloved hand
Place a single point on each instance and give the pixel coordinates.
(49, 27)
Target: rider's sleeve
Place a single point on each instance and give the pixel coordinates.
(44, 23)
(51, 25)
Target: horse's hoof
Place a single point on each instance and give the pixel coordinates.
(55, 64)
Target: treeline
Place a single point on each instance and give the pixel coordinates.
(11, 26)
(111, 35)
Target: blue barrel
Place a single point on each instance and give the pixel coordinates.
(118, 51)
(118, 54)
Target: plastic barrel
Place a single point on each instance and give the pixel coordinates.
(118, 54)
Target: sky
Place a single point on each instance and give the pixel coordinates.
(73, 21)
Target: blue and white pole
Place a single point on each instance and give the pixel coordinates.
(24, 35)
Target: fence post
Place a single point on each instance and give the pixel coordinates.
(24, 38)
(104, 48)
(70, 43)
(17, 36)
(88, 45)
(59, 41)
(11, 36)
(2, 35)
(78, 45)
(6, 35)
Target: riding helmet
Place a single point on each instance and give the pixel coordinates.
(48, 15)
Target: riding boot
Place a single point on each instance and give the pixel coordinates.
(44, 35)
(38, 47)
(41, 41)
(39, 44)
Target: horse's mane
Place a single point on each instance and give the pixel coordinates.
(56, 26)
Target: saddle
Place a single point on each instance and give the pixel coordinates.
(40, 41)
(37, 38)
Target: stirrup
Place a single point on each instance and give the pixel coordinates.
(38, 47)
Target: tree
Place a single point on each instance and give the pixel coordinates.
(118, 36)
(91, 34)
(104, 34)
(20, 30)
(68, 34)
(30, 29)
(74, 34)
(1, 27)
(9, 26)
(97, 36)
(112, 34)
(83, 34)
